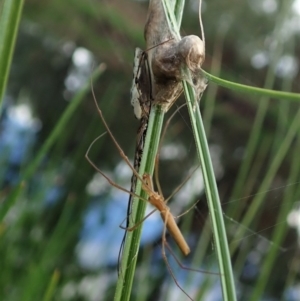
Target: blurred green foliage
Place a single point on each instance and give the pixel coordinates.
(250, 42)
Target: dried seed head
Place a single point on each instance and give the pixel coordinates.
(171, 58)
(191, 49)
(166, 62)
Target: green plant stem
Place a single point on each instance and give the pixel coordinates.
(280, 231)
(62, 123)
(210, 185)
(52, 138)
(212, 195)
(52, 286)
(252, 90)
(178, 11)
(131, 246)
(252, 211)
(263, 107)
(9, 24)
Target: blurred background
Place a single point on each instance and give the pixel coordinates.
(59, 230)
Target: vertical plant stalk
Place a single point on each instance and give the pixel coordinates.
(156, 21)
(167, 62)
(131, 245)
(49, 294)
(211, 190)
(9, 24)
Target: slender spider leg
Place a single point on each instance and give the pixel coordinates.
(110, 181)
(154, 198)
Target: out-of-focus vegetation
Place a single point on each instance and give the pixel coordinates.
(57, 237)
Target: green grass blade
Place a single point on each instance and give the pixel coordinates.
(252, 90)
(62, 124)
(131, 246)
(52, 286)
(9, 24)
(52, 138)
(263, 107)
(132, 243)
(211, 190)
(11, 200)
(270, 174)
(178, 11)
(280, 231)
(39, 275)
(212, 195)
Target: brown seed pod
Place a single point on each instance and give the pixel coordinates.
(169, 59)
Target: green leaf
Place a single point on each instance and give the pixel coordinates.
(9, 24)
